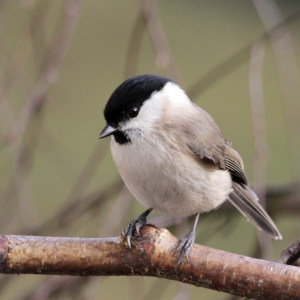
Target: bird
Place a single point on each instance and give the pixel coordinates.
(173, 158)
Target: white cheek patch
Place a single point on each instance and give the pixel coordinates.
(150, 112)
(170, 98)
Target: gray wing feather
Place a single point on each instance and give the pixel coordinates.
(204, 139)
(246, 201)
(234, 164)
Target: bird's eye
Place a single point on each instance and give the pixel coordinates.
(133, 112)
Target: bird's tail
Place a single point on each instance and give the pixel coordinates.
(246, 201)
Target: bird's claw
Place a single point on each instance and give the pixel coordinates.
(134, 227)
(185, 246)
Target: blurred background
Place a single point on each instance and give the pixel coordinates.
(59, 63)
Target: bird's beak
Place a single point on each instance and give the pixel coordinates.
(107, 131)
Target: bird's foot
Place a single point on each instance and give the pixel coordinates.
(185, 245)
(134, 226)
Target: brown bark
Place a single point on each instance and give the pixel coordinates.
(152, 255)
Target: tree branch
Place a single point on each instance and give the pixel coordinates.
(153, 255)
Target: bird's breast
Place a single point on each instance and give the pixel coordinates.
(169, 180)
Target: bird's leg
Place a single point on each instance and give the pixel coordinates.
(135, 226)
(185, 244)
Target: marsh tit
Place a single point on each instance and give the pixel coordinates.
(173, 158)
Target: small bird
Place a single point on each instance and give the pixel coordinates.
(172, 157)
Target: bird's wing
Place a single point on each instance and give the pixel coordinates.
(204, 140)
(234, 164)
(244, 199)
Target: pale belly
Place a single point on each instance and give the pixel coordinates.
(182, 187)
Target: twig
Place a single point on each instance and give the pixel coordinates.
(233, 61)
(54, 286)
(7, 121)
(258, 119)
(33, 108)
(112, 222)
(259, 134)
(134, 46)
(288, 74)
(153, 255)
(53, 64)
(155, 291)
(86, 174)
(70, 211)
(159, 40)
(183, 293)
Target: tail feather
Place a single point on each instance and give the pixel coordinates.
(246, 201)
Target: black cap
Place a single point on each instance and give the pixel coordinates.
(131, 94)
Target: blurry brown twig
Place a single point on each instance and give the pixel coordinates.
(7, 120)
(19, 187)
(155, 291)
(16, 65)
(87, 173)
(72, 210)
(289, 78)
(234, 61)
(183, 293)
(113, 221)
(152, 255)
(158, 39)
(284, 199)
(21, 154)
(259, 134)
(24, 150)
(258, 119)
(55, 286)
(38, 31)
(111, 224)
(148, 19)
(134, 46)
(53, 62)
